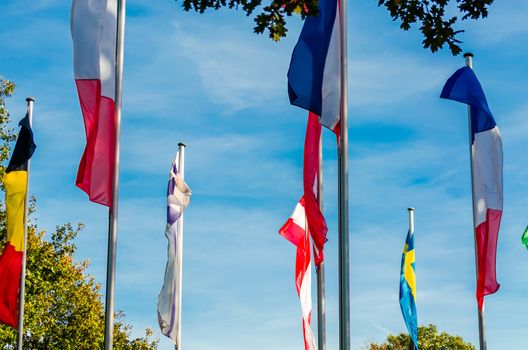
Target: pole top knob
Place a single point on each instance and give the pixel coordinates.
(468, 54)
(30, 98)
(182, 144)
(410, 209)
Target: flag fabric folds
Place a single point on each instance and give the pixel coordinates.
(178, 197)
(314, 76)
(316, 221)
(524, 238)
(408, 289)
(296, 231)
(93, 29)
(15, 182)
(486, 157)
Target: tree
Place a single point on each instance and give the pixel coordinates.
(63, 304)
(428, 339)
(436, 26)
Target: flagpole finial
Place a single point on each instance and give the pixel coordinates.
(468, 54)
(182, 144)
(30, 99)
(410, 209)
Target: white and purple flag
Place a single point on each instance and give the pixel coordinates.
(486, 157)
(169, 308)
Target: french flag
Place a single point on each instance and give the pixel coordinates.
(314, 77)
(486, 157)
(93, 28)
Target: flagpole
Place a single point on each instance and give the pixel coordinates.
(321, 300)
(482, 330)
(344, 297)
(21, 295)
(113, 214)
(181, 170)
(411, 232)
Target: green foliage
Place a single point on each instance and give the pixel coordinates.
(6, 134)
(428, 339)
(436, 27)
(63, 308)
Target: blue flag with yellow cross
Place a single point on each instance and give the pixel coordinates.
(408, 288)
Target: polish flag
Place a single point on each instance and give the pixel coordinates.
(296, 231)
(93, 28)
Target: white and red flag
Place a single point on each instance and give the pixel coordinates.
(306, 225)
(93, 28)
(296, 231)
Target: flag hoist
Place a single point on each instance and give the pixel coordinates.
(13, 258)
(485, 149)
(317, 82)
(98, 29)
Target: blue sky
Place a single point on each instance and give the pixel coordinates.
(209, 81)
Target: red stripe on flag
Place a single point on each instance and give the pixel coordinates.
(316, 220)
(10, 268)
(487, 235)
(96, 169)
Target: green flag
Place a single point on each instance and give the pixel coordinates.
(524, 238)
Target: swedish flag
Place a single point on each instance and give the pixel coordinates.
(408, 289)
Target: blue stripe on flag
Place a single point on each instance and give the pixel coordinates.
(305, 75)
(463, 86)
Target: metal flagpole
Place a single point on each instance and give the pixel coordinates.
(181, 170)
(482, 330)
(411, 232)
(20, 337)
(321, 301)
(344, 298)
(112, 217)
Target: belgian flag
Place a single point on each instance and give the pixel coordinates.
(15, 181)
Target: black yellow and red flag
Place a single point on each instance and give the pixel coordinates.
(15, 181)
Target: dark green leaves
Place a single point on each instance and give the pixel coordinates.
(270, 19)
(436, 27)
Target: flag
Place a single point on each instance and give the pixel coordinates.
(93, 28)
(15, 183)
(314, 76)
(296, 231)
(486, 157)
(524, 238)
(408, 288)
(316, 220)
(178, 197)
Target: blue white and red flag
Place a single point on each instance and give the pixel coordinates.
(486, 156)
(314, 77)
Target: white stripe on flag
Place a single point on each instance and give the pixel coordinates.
(331, 89)
(302, 267)
(487, 173)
